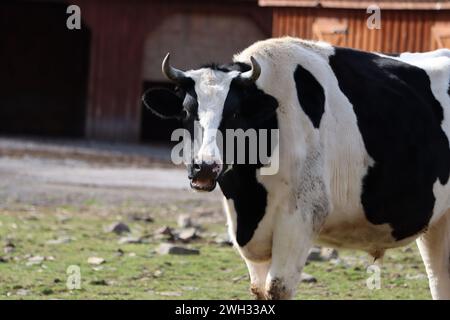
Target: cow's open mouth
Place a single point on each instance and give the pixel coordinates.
(203, 184)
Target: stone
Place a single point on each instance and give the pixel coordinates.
(329, 253)
(307, 278)
(168, 248)
(187, 234)
(170, 293)
(35, 260)
(143, 218)
(96, 261)
(223, 240)
(100, 282)
(23, 292)
(9, 247)
(119, 228)
(60, 240)
(165, 230)
(315, 254)
(184, 221)
(129, 240)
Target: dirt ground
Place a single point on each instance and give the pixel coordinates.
(51, 173)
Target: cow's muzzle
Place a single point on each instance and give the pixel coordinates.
(204, 175)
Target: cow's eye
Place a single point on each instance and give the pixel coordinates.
(184, 115)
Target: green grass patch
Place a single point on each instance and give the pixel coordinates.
(135, 271)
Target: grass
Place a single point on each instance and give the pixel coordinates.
(135, 271)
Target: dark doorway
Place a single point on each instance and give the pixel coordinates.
(154, 129)
(44, 71)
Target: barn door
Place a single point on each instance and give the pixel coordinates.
(440, 35)
(331, 30)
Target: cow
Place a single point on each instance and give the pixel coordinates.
(363, 148)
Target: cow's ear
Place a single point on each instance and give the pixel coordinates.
(260, 107)
(164, 103)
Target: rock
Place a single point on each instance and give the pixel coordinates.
(3, 259)
(170, 293)
(187, 234)
(189, 288)
(60, 240)
(9, 247)
(184, 221)
(96, 261)
(23, 292)
(307, 278)
(143, 218)
(35, 260)
(419, 276)
(168, 248)
(223, 240)
(129, 240)
(101, 282)
(315, 254)
(163, 233)
(165, 230)
(158, 273)
(329, 253)
(119, 228)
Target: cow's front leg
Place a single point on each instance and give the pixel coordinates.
(292, 239)
(258, 275)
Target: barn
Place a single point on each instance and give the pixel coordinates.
(87, 83)
(405, 25)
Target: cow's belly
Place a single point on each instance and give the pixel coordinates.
(359, 234)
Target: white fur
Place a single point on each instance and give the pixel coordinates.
(322, 165)
(212, 88)
(341, 163)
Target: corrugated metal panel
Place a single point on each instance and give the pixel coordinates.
(400, 30)
(361, 4)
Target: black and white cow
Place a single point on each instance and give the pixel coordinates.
(363, 149)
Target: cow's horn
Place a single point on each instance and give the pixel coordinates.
(170, 72)
(252, 75)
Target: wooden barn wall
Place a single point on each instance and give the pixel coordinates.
(400, 30)
(119, 30)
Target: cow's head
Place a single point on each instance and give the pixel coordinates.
(217, 97)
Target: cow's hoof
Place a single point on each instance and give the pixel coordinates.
(277, 290)
(257, 292)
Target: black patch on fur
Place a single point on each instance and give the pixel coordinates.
(235, 66)
(399, 120)
(249, 198)
(310, 95)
